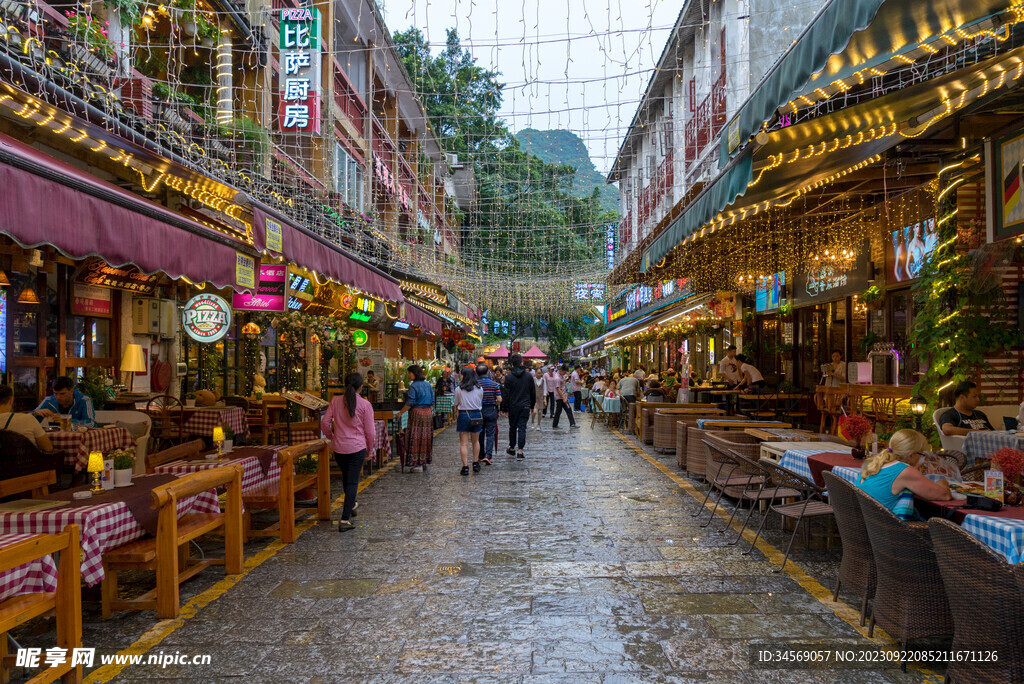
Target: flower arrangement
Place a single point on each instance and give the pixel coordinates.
(124, 459)
(855, 428)
(92, 32)
(1010, 462)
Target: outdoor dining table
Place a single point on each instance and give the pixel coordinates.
(35, 577)
(1002, 531)
(611, 404)
(728, 423)
(779, 434)
(799, 459)
(77, 444)
(104, 522)
(443, 404)
(259, 465)
(980, 444)
(200, 421)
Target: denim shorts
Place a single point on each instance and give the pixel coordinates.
(463, 423)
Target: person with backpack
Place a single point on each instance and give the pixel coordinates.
(348, 424)
(489, 411)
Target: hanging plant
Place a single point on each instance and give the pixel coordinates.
(92, 32)
(129, 11)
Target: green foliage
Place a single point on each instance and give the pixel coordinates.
(249, 134)
(130, 11)
(560, 338)
(866, 343)
(93, 385)
(92, 32)
(871, 294)
(595, 330)
(306, 465)
(124, 459)
(565, 148)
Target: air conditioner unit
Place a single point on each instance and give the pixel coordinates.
(145, 316)
(168, 318)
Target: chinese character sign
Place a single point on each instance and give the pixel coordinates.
(583, 291)
(300, 70)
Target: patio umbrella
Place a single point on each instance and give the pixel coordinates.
(499, 353)
(535, 353)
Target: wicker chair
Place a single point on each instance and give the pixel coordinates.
(857, 570)
(910, 598)
(729, 474)
(957, 457)
(810, 505)
(664, 432)
(696, 452)
(986, 604)
(975, 472)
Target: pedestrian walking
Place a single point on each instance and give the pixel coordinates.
(489, 411)
(576, 388)
(521, 393)
(469, 401)
(541, 398)
(562, 399)
(420, 433)
(348, 424)
(551, 379)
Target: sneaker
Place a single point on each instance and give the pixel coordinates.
(464, 471)
(510, 451)
(574, 427)
(345, 526)
(476, 466)
(520, 455)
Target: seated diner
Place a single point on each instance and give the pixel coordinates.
(893, 470)
(964, 418)
(66, 400)
(22, 423)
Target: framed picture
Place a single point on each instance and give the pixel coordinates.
(1006, 190)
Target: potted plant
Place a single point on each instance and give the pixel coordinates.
(190, 400)
(856, 429)
(873, 297)
(306, 465)
(208, 33)
(124, 464)
(229, 440)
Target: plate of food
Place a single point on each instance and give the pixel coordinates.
(976, 488)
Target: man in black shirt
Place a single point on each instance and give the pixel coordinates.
(520, 398)
(964, 417)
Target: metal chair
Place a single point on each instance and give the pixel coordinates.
(811, 504)
(857, 570)
(721, 475)
(986, 604)
(766, 492)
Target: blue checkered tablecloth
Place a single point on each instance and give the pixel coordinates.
(710, 422)
(443, 405)
(981, 443)
(1003, 535)
(795, 459)
(851, 475)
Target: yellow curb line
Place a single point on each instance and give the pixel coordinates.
(841, 609)
(165, 628)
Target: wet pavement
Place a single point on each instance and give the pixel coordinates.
(579, 563)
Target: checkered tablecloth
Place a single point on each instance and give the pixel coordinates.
(795, 459)
(77, 445)
(443, 405)
(252, 472)
(611, 404)
(851, 475)
(982, 443)
(102, 527)
(301, 435)
(1003, 535)
(35, 577)
(381, 426)
(203, 420)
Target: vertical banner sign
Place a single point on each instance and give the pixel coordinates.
(274, 236)
(245, 270)
(609, 239)
(300, 70)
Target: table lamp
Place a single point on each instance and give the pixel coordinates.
(218, 438)
(95, 467)
(133, 362)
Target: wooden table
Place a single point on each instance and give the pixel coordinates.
(726, 424)
(768, 435)
(773, 450)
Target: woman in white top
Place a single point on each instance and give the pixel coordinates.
(751, 375)
(542, 398)
(469, 402)
(836, 375)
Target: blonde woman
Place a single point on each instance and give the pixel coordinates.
(887, 475)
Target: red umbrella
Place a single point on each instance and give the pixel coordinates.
(535, 353)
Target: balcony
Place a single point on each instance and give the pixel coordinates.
(347, 97)
(706, 122)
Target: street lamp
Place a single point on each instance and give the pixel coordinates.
(918, 406)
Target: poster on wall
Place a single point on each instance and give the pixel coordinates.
(829, 282)
(371, 359)
(907, 248)
(768, 293)
(88, 300)
(1009, 207)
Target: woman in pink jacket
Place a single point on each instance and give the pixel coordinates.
(348, 423)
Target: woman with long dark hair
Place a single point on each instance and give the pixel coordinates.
(348, 423)
(420, 405)
(469, 402)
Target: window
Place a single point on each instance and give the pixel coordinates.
(348, 178)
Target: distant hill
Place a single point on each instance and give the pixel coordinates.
(565, 147)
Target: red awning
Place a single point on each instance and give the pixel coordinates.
(48, 202)
(302, 248)
(499, 353)
(422, 319)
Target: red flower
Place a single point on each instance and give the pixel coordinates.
(1010, 461)
(855, 428)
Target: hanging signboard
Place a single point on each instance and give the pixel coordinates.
(274, 238)
(300, 70)
(245, 270)
(87, 300)
(99, 273)
(269, 295)
(206, 318)
(643, 298)
(826, 283)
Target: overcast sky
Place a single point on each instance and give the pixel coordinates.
(580, 65)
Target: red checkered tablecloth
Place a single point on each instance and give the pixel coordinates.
(103, 527)
(203, 420)
(383, 442)
(252, 472)
(77, 445)
(35, 577)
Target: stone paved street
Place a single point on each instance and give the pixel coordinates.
(581, 563)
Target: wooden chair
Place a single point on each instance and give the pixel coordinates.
(297, 433)
(884, 408)
(240, 402)
(168, 415)
(259, 423)
(167, 553)
(66, 602)
(21, 458)
(836, 402)
(281, 494)
(175, 453)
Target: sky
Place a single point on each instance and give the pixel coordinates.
(580, 65)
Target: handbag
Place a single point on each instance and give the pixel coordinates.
(475, 423)
(983, 503)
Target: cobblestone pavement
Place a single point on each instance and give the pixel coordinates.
(580, 563)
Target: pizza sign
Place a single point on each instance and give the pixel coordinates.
(206, 318)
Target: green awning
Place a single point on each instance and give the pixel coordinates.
(846, 36)
(719, 194)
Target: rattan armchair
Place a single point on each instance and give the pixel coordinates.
(857, 570)
(987, 607)
(910, 598)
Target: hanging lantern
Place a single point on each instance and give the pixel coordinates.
(251, 328)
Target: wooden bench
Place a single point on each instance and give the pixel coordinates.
(281, 494)
(180, 452)
(66, 602)
(168, 552)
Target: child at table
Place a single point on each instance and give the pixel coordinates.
(894, 470)
(613, 391)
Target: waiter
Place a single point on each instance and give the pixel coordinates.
(729, 368)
